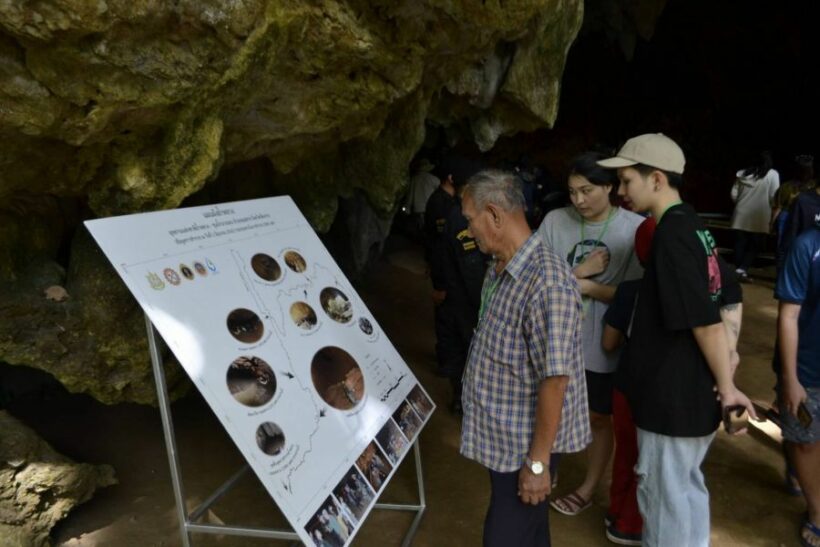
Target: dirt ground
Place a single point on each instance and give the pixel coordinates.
(750, 507)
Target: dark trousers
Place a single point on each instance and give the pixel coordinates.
(454, 331)
(747, 247)
(510, 521)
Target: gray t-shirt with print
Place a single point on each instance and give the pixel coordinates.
(561, 230)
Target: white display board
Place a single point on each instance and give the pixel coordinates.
(282, 348)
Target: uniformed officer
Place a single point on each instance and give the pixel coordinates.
(438, 207)
(463, 268)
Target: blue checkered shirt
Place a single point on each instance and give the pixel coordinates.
(531, 330)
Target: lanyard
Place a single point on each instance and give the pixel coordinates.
(667, 208)
(603, 231)
(487, 292)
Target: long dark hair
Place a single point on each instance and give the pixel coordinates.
(759, 171)
(586, 165)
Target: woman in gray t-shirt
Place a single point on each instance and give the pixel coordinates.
(597, 239)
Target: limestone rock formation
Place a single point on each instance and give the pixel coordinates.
(116, 106)
(92, 342)
(38, 486)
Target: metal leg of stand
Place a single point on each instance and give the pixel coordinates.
(168, 428)
(408, 539)
(218, 493)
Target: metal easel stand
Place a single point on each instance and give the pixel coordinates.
(188, 521)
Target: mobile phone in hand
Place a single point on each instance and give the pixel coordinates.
(734, 420)
(803, 415)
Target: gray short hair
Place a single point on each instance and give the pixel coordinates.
(500, 188)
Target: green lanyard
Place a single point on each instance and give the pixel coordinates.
(603, 232)
(487, 292)
(667, 208)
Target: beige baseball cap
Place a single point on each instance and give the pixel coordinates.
(652, 149)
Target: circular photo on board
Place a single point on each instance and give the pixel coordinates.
(366, 325)
(186, 271)
(251, 381)
(303, 315)
(336, 304)
(337, 378)
(295, 261)
(200, 269)
(245, 325)
(266, 267)
(270, 438)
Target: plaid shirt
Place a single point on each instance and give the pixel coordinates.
(531, 330)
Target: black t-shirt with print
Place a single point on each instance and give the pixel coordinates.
(671, 383)
(619, 313)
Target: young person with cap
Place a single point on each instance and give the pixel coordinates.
(623, 519)
(678, 351)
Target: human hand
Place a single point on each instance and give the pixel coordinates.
(533, 489)
(439, 296)
(733, 397)
(595, 262)
(792, 395)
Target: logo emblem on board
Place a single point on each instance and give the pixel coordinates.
(171, 276)
(186, 271)
(200, 269)
(154, 280)
(211, 265)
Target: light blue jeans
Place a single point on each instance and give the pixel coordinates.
(672, 495)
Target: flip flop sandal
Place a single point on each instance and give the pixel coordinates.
(570, 505)
(809, 534)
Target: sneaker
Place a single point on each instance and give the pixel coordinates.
(616, 536)
(742, 276)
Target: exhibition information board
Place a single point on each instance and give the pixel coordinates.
(281, 347)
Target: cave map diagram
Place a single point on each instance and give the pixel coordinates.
(282, 348)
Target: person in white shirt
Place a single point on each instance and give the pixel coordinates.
(753, 193)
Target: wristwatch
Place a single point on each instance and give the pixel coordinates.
(535, 466)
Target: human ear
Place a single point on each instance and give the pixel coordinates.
(496, 215)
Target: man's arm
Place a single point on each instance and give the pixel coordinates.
(793, 392)
(551, 326)
(731, 315)
(535, 488)
(711, 340)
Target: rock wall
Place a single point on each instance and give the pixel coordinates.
(120, 106)
(38, 486)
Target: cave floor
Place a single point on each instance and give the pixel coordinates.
(750, 507)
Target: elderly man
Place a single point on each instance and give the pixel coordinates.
(524, 391)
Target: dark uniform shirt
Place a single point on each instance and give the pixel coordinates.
(464, 265)
(435, 219)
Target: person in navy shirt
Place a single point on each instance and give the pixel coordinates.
(798, 289)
